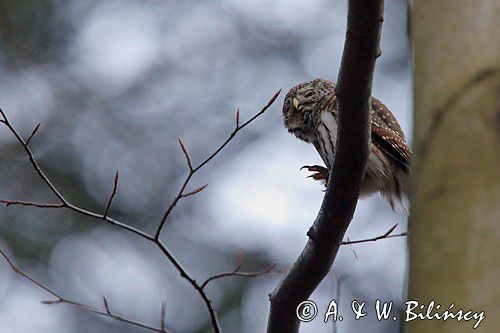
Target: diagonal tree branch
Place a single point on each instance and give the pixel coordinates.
(33, 132)
(236, 272)
(386, 235)
(364, 24)
(60, 299)
(193, 170)
(31, 204)
(112, 196)
(65, 203)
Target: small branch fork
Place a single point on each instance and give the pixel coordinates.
(106, 312)
(192, 170)
(386, 235)
(236, 272)
(200, 288)
(65, 203)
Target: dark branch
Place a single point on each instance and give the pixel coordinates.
(186, 154)
(111, 197)
(236, 272)
(325, 236)
(32, 158)
(29, 203)
(61, 299)
(106, 305)
(65, 203)
(162, 317)
(193, 192)
(33, 132)
(193, 170)
(386, 235)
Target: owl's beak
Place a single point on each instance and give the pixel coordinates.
(296, 103)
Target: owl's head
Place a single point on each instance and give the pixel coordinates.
(302, 106)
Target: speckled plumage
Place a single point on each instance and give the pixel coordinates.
(309, 112)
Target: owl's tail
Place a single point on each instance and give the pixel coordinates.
(398, 196)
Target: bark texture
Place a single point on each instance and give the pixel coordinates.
(364, 23)
(455, 218)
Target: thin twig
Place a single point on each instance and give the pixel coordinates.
(33, 132)
(113, 193)
(193, 192)
(66, 204)
(61, 299)
(106, 305)
(186, 154)
(162, 316)
(236, 272)
(387, 234)
(32, 204)
(193, 170)
(32, 159)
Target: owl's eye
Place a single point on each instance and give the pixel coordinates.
(309, 94)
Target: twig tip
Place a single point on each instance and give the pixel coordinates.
(106, 305)
(195, 191)
(271, 101)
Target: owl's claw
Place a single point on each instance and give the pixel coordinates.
(319, 172)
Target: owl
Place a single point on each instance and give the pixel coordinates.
(310, 113)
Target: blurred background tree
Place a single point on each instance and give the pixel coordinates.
(456, 191)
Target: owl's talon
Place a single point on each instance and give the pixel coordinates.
(319, 172)
(315, 168)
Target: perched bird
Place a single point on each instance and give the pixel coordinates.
(310, 113)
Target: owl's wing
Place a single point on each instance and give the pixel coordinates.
(387, 134)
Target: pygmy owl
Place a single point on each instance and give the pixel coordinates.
(310, 113)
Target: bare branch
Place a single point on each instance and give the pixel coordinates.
(239, 128)
(111, 197)
(236, 272)
(237, 118)
(29, 203)
(51, 302)
(65, 203)
(162, 317)
(186, 154)
(325, 236)
(193, 192)
(32, 158)
(32, 134)
(193, 170)
(239, 262)
(386, 235)
(18, 271)
(61, 299)
(106, 305)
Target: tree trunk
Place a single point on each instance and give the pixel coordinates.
(455, 218)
